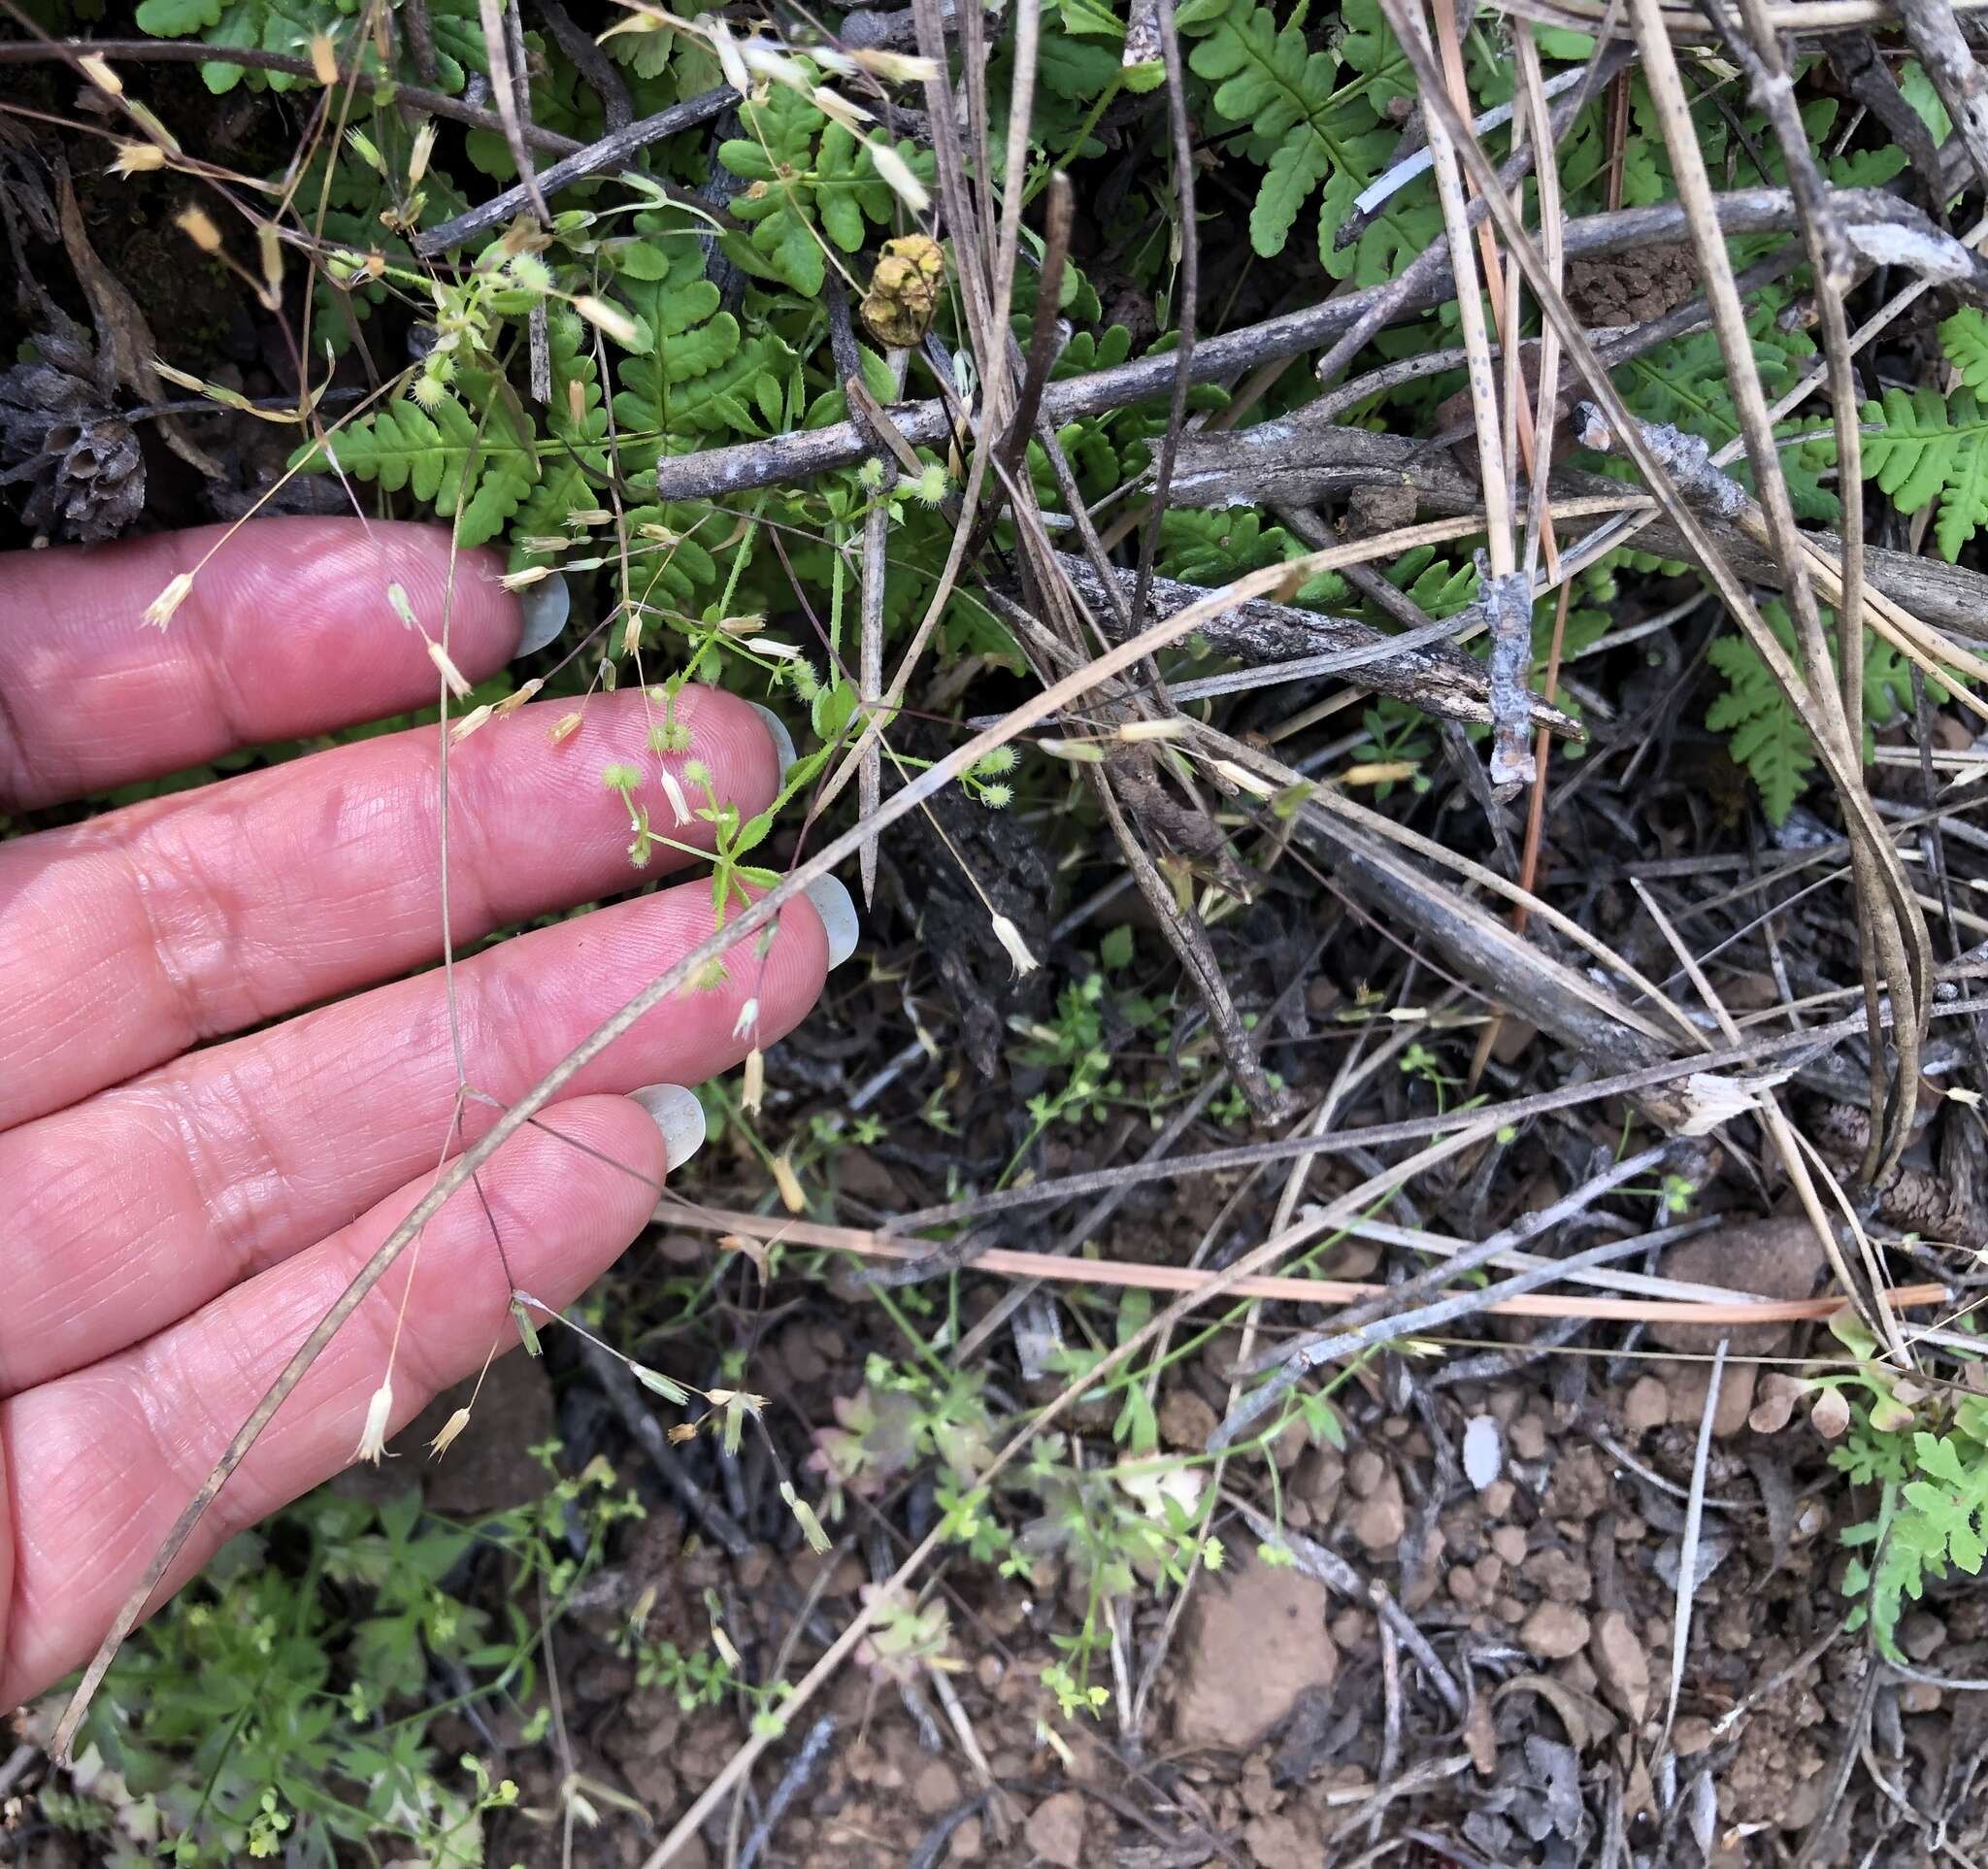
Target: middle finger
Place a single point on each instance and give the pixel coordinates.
(145, 1201)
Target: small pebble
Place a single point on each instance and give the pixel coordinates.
(1645, 1405)
(1483, 1452)
(1529, 1438)
(1553, 1631)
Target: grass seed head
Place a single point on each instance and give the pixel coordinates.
(450, 1428)
(160, 612)
(379, 1413)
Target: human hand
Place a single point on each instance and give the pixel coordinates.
(181, 1217)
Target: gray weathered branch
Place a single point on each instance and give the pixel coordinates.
(1869, 214)
(1292, 462)
(1437, 678)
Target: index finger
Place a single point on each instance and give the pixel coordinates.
(287, 629)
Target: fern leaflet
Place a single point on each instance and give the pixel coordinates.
(1767, 736)
(1307, 129)
(476, 474)
(1938, 1522)
(1928, 447)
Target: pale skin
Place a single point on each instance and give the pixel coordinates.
(194, 1163)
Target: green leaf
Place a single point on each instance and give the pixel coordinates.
(1136, 1430)
(1767, 737)
(833, 709)
(473, 473)
(810, 178)
(174, 18)
(1964, 338)
(1307, 127)
(290, 25)
(693, 368)
(1918, 91)
(1927, 448)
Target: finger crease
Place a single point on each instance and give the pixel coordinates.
(16, 770)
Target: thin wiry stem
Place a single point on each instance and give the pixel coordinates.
(872, 572)
(1829, 266)
(1843, 774)
(1903, 951)
(994, 342)
(747, 920)
(1480, 372)
(1187, 296)
(1687, 1557)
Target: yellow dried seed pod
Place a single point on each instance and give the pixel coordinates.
(904, 290)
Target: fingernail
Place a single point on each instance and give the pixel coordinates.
(547, 605)
(783, 740)
(836, 908)
(678, 1114)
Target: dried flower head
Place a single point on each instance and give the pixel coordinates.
(160, 612)
(137, 158)
(903, 298)
(1009, 937)
(450, 1428)
(804, 1515)
(379, 1413)
(898, 175)
(611, 319)
(458, 682)
(672, 790)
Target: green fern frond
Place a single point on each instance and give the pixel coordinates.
(1937, 1523)
(1767, 736)
(1302, 125)
(1217, 548)
(1964, 338)
(1928, 447)
(1686, 381)
(669, 565)
(476, 474)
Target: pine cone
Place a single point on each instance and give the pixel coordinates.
(74, 453)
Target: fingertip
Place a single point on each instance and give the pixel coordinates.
(803, 952)
(545, 607)
(677, 1114)
(607, 1185)
(841, 925)
(732, 738)
(452, 593)
(777, 730)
